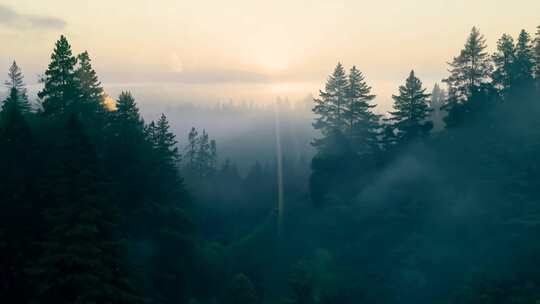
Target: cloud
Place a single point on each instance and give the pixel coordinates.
(13, 19)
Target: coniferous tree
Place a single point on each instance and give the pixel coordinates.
(61, 88)
(504, 60)
(536, 57)
(203, 156)
(191, 148)
(82, 261)
(411, 110)
(18, 197)
(16, 81)
(436, 103)
(150, 133)
(126, 152)
(213, 155)
(524, 64)
(127, 112)
(165, 142)
(362, 123)
(91, 92)
(167, 219)
(330, 106)
(471, 69)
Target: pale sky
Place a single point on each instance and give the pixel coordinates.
(228, 48)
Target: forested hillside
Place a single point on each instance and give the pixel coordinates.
(437, 201)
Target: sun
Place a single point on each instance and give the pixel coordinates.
(109, 103)
(272, 61)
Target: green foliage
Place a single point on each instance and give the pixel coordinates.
(164, 141)
(241, 291)
(330, 107)
(503, 61)
(536, 56)
(91, 93)
(61, 88)
(523, 59)
(471, 69)
(201, 155)
(301, 283)
(16, 82)
(411, 110)
(81, 261)
(362, 123)
(106, 213)
(107, 218)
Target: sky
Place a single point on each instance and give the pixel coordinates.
(254, 50)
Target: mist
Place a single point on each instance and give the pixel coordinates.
(269, 153)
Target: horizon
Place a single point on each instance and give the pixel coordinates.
(243, 53)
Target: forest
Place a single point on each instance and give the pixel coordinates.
(436, 201)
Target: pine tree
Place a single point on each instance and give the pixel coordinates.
(330, 106)
(18, 200)
(126, 151)
(213, 155)
(504, 60)
(61, 88)
(411, 110)
(165, 142)
(165, 220)
(82, 262)
(128, 112)
(150, 132)
(203, 155)
(191, 148)
(91, 92)
(536, 57)
(436, 104)
(361, 122)
(524, 64)
(16, 81)
(471, 69)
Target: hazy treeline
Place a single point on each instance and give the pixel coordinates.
(449, 216)
(436, 202)
(93, 207)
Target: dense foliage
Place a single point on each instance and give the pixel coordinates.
(435, 202)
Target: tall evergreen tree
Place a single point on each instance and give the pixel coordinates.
(536, 57)
(213, 155)
(127, 112)
(411, 110)
(203, 156)
(61, 88)
(82, 261)
(436, 103)
(504, 60)
(18, 200)
(362, 123)
(331, 105)
(16, 81)
(126, 152)
(524, 64)
(165, 142)
(472, 68)
(191, 148)
(91, 92)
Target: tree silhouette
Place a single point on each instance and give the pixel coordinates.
(61, 88)
(411, 110)
(471, 68)
(331, 104)
(16, 81)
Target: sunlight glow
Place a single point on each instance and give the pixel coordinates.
(109, 103)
